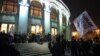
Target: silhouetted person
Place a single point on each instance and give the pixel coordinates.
(74, 47)
(96, 47)
(56, 48)
(49, 37)
(85, 47)
(5, 48)
(63, 42)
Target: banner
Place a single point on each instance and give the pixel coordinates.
(84, 23)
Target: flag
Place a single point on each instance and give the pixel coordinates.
(84, 23)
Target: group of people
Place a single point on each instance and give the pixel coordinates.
(85, 47)
(57, 46)
(81, 47)
(6, 46)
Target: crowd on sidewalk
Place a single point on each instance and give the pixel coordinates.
(85, 47)
(81, 47)
(56, 44)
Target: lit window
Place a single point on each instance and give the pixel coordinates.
(40, 30)
(53, 31)
(4, 28)
(11, 27)
(36, 29)
(7, 27)
(33, 29)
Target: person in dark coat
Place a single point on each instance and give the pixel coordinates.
(96, 47)
(49, 37)
(5, 48)
(56, 48)
(74, 47)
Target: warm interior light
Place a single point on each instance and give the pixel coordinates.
(11, 27)
(4, 28)
(97, 31)
(40, 29)
(74, 34)
(52, 31)
(37, 29)
(55, 31)
(33, 29)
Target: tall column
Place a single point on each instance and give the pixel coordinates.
(68, 32)
(16, 20)
(42, 21)
(23, 17)
(16, 23)
(46, 20)
(60, 21)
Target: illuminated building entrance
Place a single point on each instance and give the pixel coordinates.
(53, 31)
(4, 27)
(35, 16)
(36, 29)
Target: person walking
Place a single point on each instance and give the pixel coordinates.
(56, 47)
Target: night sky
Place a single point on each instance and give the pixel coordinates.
(76, 7)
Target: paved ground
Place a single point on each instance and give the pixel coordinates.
(34, 49)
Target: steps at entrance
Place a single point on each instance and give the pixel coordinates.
(32, 49)
(35, 49)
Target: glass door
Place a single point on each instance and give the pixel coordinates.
(53, 31)
(10, 27)
(6, 27)
(36, 29)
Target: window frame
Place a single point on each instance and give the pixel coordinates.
(6, 4)
(35, 11)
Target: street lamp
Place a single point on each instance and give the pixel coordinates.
(97, 32)
(75, 34)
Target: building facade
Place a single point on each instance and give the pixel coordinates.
(35, 16)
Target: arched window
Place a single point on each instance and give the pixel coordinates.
(35, 9)
(9, 5)
(53, 14)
